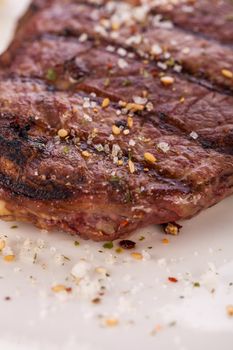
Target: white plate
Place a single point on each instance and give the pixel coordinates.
(152, 312)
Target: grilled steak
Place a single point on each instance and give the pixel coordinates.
(116, 115)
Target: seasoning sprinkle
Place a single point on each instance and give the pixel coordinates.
(86, 154)
(62, 133)
(167, 80)
(230, 310)
(137, 256)
(9, 258)
(2, 244)
(59, 288)
(108, 245)
(227, 73)
(51, 74)
(130, 122)
(172, 279)
(149, 157)
(131, 166)
(172, 228)
(105, 103)
(111, 322)
(116, 130)
(127, 244)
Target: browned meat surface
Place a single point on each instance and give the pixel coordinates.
(113, 117)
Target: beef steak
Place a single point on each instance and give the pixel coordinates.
(116, 115)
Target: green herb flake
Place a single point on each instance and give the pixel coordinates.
(141, 238)
(127, 82)
(34, 258)
(196, 284)
(66, 258)
(51, 74)
(14, 226)
(108, 245)
(114, 179)
(119, 250)
(128, 197)
(66, 150)
(76, 243)
(107, 82)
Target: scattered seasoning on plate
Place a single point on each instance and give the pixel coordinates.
(111, 322)
(76, 243)
(229, 309)
(7, 298)
(9, 258)
(96, 301)
(165, 241)
(196, 284)
(172, 279)
(2, 244)
(172, 228)
(137, 256)
(61, 288)
(108, 245)
(127, 244)
(119, 250)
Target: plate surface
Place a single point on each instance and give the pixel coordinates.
(121, 302)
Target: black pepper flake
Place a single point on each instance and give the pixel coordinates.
(7, 298)
(127, 244)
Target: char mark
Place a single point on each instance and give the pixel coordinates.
(47, 190)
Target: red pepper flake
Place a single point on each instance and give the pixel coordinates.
(124, 223)
(127, 244)
(69, 290)
(172, 279)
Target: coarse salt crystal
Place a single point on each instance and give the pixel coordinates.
(83, 37)
(132, 143)
(81, 269)
(140, 100)
(156, 49)
(122, 63)
(163, 146)
(122, 52)
(194, 135)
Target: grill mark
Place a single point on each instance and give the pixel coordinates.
(14, 151)
(198, 78)
(201, 79)
(166, 123)
(48, 190)
(197, 34)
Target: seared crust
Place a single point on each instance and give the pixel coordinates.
(66, 59)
